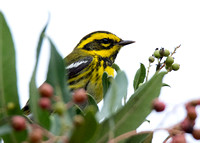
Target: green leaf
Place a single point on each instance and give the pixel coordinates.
(105, 83)
(139, 76)
(113, 98)
(116, 67)
(84, 132)
(91, 101)
(8, 79)
(141, 138)
(164, 84)
(5, 129)
(55, 124)
(40, 116)
(132, 115)
(57, 74)
(8, 83)
(133, 137)
(15, 137)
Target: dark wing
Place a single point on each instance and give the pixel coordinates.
(76, 67)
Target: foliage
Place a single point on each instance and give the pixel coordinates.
(117, 121)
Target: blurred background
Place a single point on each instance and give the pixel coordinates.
(152, 24)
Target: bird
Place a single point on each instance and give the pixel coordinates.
(92, 56)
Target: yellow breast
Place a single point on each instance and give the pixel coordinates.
(95, 87)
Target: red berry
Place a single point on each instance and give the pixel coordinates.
(192, 103)
(188, 105)
(46, 90)
(36, 135)
(79, 96)
(195, 102)
(18, 123)
(65, 139)
(158, 105)
(196, 134)
(45, 103)
(178, 139)
(187, 125)
(198, 102)
(191, 112)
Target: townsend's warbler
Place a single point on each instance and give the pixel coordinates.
(93, 55)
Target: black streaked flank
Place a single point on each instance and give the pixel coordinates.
(106, 61)
(86, 85)
(81, 78)
(98, 65)
(97, 77)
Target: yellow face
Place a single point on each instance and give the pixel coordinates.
(100, 43)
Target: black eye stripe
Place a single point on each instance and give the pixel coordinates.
(97, 44)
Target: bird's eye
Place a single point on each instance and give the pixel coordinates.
(105, 41)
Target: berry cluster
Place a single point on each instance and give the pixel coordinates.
(46, 92)
(187, 125)
(19, 124)
(37, 133)
(165, 54)
(177, 132)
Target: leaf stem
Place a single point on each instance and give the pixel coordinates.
(111, 124)
(148, 69)
(175, 50)
(126, 135)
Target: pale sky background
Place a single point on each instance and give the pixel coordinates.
(151, 23)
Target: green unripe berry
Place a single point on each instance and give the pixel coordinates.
(10, 106)
(59, 108)
(169, 61)
(140, 84)
(78, 120)
(166, 53)
(162, 52)
(151, 59)
(175, 66)
(157, 53)
(168, 68)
